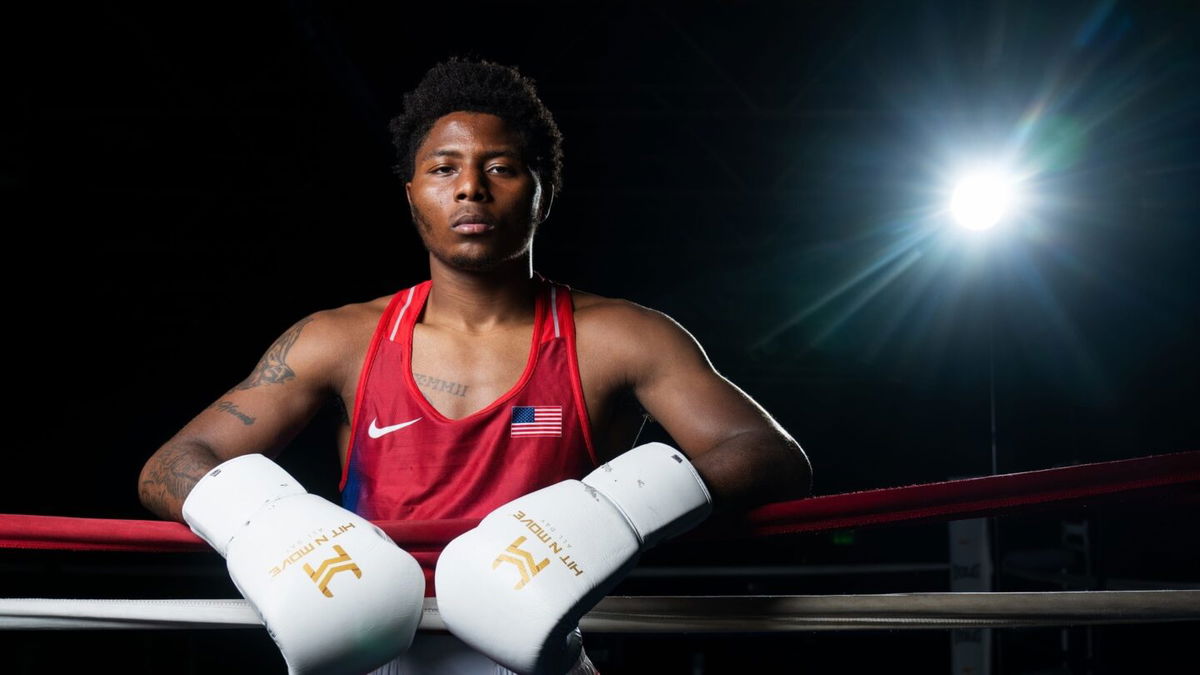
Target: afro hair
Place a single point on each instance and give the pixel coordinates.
(484, 87)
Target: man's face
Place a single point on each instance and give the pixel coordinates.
(474, 200)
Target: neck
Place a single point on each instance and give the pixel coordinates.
(478, 302)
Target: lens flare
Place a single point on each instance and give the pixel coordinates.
(981, 199)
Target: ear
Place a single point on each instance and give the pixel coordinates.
(544, 207)
(408, 192)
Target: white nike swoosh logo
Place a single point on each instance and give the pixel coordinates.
(375, 432)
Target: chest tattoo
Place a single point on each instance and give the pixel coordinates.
(436, 384)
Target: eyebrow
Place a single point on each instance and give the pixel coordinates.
(444, 152)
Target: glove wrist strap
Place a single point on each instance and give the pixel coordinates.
(224, 500)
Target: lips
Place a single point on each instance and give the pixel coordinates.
(472, 223)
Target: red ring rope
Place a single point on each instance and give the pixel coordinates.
(1175, 477)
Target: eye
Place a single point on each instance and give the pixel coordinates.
(501, 168)
(441, 169)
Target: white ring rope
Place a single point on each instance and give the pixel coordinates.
(68, 614)
(682, 614)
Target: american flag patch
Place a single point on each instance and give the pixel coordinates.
(536, 420)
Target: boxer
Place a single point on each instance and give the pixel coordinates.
(487, 383)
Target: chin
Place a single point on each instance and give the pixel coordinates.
(489, 259)
(473, 264)
(476, 263)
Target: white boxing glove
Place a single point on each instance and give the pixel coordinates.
(516, 586)
(335, 593)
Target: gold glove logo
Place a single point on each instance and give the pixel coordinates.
(543, 535)
(524, 563)
(330, 567)
(310, 546)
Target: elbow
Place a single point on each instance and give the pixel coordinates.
(169, 475)
(804, 472)
(798, 472)
(753, 469)
(147, 482)
(143, 486)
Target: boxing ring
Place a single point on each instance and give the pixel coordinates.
(1172, 479)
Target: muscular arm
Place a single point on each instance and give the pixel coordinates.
(744, 456)
(262, 414)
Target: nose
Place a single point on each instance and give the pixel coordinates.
(472, 186)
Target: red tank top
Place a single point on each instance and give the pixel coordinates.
(407, 461)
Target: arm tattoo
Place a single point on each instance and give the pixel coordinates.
(434, 384)
(231, 408)
(273, 367)
(178, 469)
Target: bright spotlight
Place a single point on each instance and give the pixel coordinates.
(982, 198)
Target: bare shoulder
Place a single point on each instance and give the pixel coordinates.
(619, 315)
(327, 342)
(339, 325)
(635, 335)
(353, 317)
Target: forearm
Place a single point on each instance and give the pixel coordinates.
(171, 474)
(754, 468)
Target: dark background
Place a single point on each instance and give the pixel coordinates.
(186, 181)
